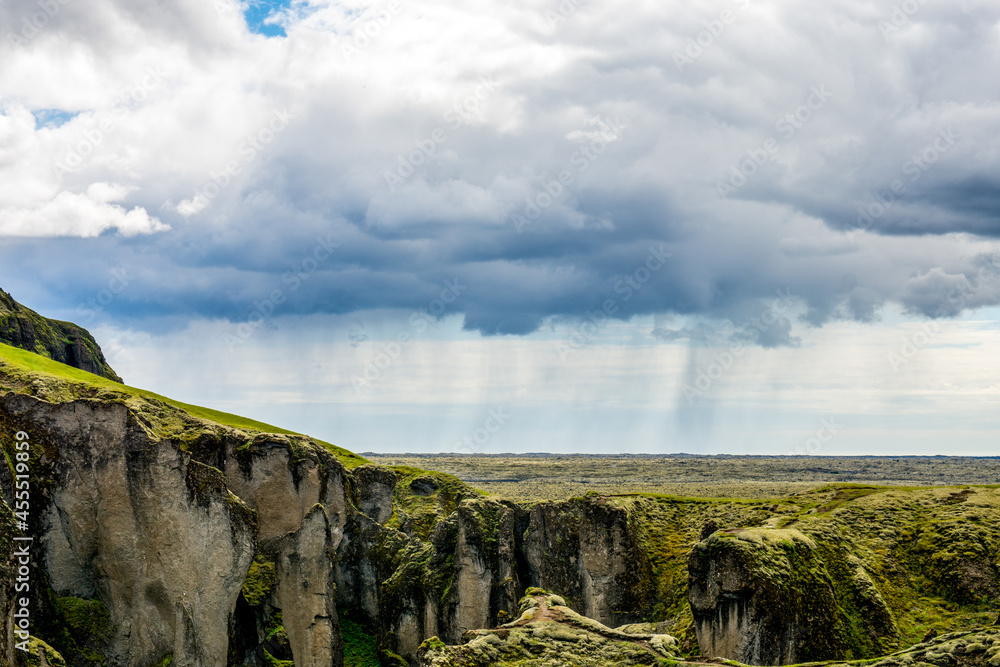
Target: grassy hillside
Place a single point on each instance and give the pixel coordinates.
(62, 341)
(29, 373)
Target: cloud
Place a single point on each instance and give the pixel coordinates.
(859, 167)
(84, 215)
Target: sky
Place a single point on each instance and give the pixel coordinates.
(712, 226)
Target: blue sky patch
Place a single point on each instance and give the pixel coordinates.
(258, 12)
(53, 117)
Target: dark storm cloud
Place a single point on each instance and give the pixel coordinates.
(815, 153)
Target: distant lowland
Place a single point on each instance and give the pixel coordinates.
(540, 476)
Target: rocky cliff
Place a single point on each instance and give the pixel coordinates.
(64, 342)
(210, 542)
(765, 597)
(589, 551)
(856, 573)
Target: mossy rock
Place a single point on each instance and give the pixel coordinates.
(548, 634)
(86, 630)
(259, 581)
(776, 585)
(39, 653)
(360, 645)
(390, 659)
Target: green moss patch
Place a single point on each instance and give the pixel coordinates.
(81, 630)
(360, 646)
(423, 498)
(260, 580)
(38, 648)
(86, 619)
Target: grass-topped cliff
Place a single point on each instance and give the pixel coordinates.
(932, 554)
(66, 342)
(69, 412)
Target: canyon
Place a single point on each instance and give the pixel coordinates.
(164, 534)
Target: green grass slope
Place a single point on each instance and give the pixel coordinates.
(30, 373)
(65, 342)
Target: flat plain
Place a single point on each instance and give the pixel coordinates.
(538, 477)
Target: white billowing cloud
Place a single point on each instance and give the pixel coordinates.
(34, 202)
(71, 214)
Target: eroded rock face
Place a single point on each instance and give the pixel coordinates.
(138, 524)
(359, 568)
(473, 581)
(471, 570)
(282, 479)
(587, 551)
(468, 574)
(374, 486)
(306, 593)
(410, 600)
(300, 496)
(765, 597)
(163, 542)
